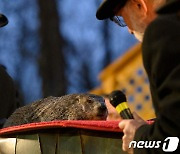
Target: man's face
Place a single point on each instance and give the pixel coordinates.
(134, 20)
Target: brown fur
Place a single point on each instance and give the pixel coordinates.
(68, 107)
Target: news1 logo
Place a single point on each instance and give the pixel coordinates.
(170, 144)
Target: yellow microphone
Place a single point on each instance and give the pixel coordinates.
(118, 100)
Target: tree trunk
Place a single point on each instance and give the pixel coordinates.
(51, 62)
(106, 36)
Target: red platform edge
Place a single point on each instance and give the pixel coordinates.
(110, 126)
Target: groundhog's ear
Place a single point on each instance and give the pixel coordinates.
(77, 98)
(82, 99)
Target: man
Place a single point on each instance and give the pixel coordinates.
(8, 93)
(112, 112)
(161, 57)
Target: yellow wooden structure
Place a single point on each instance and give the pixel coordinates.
(127, 74)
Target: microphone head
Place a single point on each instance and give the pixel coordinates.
(116, 97)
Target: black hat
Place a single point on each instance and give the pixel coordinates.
(106, 8)
(171, 6)
(3, 20)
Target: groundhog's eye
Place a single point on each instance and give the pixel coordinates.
(89, 101)
(77, 100)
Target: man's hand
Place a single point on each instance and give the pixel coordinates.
(129, 128)
(112, 112)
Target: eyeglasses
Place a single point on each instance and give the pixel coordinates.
(118, 20)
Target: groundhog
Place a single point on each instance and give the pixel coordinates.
(68, 107)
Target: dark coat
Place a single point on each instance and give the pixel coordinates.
(171, 6)
(161, 57)
(8, 96)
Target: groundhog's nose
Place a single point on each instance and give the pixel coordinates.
(102, 108)
(102, 112)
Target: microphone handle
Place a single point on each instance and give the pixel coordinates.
(126, 114)
(124, 111)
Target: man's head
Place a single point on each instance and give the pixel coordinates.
(137, 14)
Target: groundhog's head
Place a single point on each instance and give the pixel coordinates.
(88, 107)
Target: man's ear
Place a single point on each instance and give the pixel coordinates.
(141, 5)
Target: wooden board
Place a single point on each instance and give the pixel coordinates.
(62, 141)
